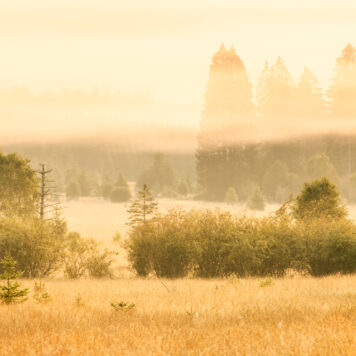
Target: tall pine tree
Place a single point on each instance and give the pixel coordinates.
(309, 98)
(342, 92)
(225, 124)
(275, 94)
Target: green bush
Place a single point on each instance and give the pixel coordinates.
(84, 258)
(37, 246)
(212, 244)
(140, 248)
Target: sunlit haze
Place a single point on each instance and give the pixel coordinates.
(163, 48)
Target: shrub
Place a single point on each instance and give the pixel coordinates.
(40, 293)
(122, 306)
(35, 244)
(140, 248)
(330, 247)
(99, 263)
(213, 244)
(120, 195)
(83, 257)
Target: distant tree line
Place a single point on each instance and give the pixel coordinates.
(91, 170)
(232, 156)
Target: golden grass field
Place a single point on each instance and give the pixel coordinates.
(291, 316)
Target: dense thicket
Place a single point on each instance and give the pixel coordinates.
(41, 246)
(310, 234)
(208, 243)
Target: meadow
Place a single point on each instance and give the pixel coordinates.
(101, 219)
(294, 315)
(289, 316)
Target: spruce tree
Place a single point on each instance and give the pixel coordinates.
(226, 123)
(142, 209)
(11, 293)
(275, 94)
(342, 91)
(309, 98)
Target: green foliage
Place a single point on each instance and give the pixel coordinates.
(120, 195)
(36, 245)
(231, 196)
(19, 186)
(143, 208)
(11, 293)
(319, 198)
(266, 282)
(122, 306)
(256, 200)
(40, 293)
(215, 244)
(99, 263)
(83, 257)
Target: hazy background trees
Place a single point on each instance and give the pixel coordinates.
(275, 135)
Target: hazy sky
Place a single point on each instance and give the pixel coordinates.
(164, 47)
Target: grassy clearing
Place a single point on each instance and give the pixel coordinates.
(100, 219)
(291, 316)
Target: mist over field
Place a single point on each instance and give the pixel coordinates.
(177, 178)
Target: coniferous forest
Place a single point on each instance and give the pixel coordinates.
(268, 139)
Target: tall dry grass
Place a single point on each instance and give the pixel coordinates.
(291, 316)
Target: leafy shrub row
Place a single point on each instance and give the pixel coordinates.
(207, 243)
(42, 248)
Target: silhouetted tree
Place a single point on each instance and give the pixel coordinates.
(309, 99)
(275, 94)
(225, 125)
(342, 92)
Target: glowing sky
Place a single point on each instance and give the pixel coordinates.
(164, 47)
